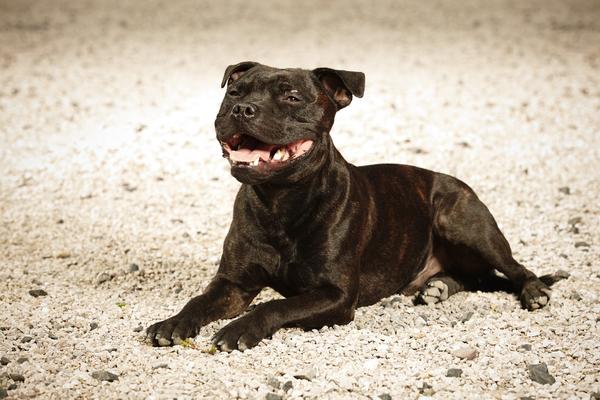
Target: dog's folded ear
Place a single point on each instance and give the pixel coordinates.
(235, 72)
(341, 85)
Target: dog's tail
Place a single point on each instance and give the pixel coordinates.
(497, 283)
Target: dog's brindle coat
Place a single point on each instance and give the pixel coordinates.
(327, 235)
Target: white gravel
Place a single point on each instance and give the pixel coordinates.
(108, 159)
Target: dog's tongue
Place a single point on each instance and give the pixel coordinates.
(247, 155)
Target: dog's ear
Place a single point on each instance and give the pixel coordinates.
(235, 72)
(341, 85)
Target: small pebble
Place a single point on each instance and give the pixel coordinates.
(454, 372)
(582, 244)
(52, 336)
(22, 360)
(93, 325)
(595, 396)
(539, 373)
(3, 393)
(565, 189)
(561, 273)
(133, 268)
(385, 396)
(467, 316)
(160, 366)
(138, 329)
(524, 347)
(574, 221)
(26, 339)
(287, 386)
(575, 296)
(12, 386)
(38, 292)
(17, 377)
(426, 389)
(466, 353)
(4, 360)
(103, 277)
(104, 376)
(273, 396)
(273, 382)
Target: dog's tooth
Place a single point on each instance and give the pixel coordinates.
(255, 162)
(279, 154)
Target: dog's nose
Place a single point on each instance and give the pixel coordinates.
(244, 110)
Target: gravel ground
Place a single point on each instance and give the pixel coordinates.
(114, 199)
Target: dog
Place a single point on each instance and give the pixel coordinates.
(327, 235)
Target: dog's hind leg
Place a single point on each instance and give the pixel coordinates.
(466, 226)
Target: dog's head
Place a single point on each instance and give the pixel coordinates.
(273, 123)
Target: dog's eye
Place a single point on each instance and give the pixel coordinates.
(233, 93)
(292, 99)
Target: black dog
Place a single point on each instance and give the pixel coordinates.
(327, 235)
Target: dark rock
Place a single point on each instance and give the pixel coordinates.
(104, 376)
(454, 373)
(595, 396)
(12, 386)
(138, 329)
(134, 268)
(4, 360)
(17, 377)
(303, 377)
(38, 292)
(22, 360)
(539, 373)
(160, 366)
(93, 325)
(3, 393)
(178, 290)
(26, 339)
(273, 396)
(287, 386)
(52, 336)
(524, 347)
(565, 190)
(526, 398)
(385, 396)
(582, 244)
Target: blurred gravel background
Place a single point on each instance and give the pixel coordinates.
(114, 199)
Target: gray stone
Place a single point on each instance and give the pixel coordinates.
(4, 360)
(22, 360)
(385, 396)
(104, 376)
(12, 386)
(3, 393)
(582, 244)
(26, 339)
(273, 396)
(565, 190)
(539, 373)
(93, 325)
(138, 329)
(454, 373)
(133, 267)
(38, 292)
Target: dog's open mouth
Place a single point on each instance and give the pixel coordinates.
(245, 150)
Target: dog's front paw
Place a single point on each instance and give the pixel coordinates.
(241, 334)
(173, 330)
(535, 294)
